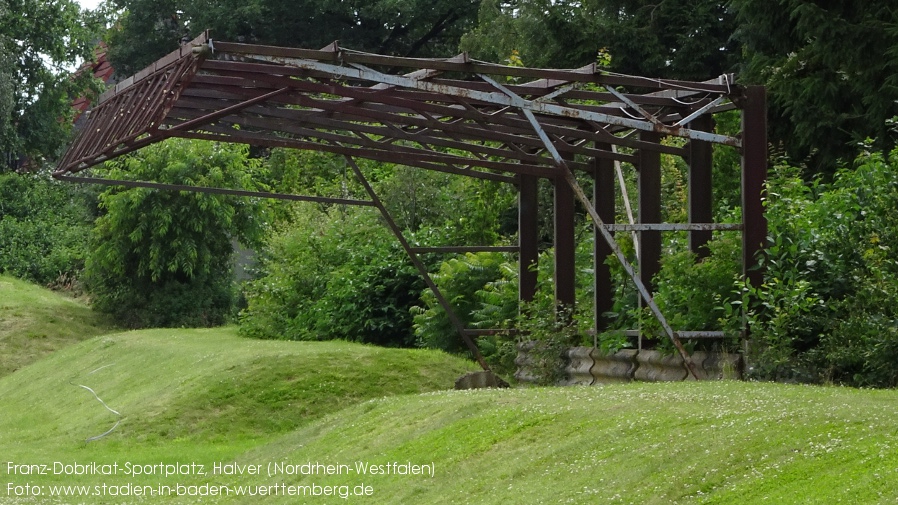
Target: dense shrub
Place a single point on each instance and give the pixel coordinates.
(44, 226)
(338, 273)
(700, 294)
(459, 280)
(828, 309)
(163, 258)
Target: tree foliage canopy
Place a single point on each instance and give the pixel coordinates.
(686, 39)
(44, 226)
(151, 28)
(163, 258)
(39, 40)
(831, 70)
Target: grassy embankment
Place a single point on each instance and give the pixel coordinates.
(207, 396)
(35, 321)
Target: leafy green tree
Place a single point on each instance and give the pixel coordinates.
(459, 279)
(831, 73)
(39, 41)
(163, 258)
(150, 28)
(685, 39)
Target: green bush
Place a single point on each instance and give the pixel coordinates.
(700, 294)
(163, 258)
(336, 274)
(483, 290)
(459, 280)
(828, 308)
(44, 227)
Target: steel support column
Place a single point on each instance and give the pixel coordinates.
(565, 246)
(754, 173)
(700, 181)
(609, 239)
(528, 236)
(603, 199)
(649, 211)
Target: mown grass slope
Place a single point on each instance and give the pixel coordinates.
(722, 442)
(36, 321)
(204, 386)
(208, 397)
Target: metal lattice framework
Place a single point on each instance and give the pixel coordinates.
(455, 115)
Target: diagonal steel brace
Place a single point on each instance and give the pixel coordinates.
(450, 312)
(571, 180)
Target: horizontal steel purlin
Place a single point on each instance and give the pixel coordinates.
(674, 227)
(465, 249)
(215, 190)
(686, 334)
(370, 75)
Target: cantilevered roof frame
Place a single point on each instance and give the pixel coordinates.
(455, 115)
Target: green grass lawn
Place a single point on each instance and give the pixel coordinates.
(191, 395)
(35, 321)
(208, 397)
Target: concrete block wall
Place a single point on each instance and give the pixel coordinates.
(590, 366)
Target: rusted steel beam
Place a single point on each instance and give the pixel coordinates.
(689, 335)
(483, 332)
(754, 174)
(226, 111)
(465, 249)
(528, 236)
(604, 200)
(699, 188)
(565, 248)
(703, 227)
(215, 191)
(649, 182)
(384, 156)
(425, 159)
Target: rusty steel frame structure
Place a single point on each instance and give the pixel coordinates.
(513, 125)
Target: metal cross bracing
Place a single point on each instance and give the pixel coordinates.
(460, 116)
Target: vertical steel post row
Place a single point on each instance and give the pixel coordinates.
(565, 246)
(646, 295)
(649, 210)
(528, 236)
(453, 317)
(754, 173)
(700, 184)
(603, 199)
